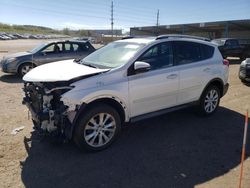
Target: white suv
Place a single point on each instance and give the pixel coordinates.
(125, 81)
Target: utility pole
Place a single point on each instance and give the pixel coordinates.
(112, 19)
(157, 22)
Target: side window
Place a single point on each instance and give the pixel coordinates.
(59, 47)
(76, 47)
(228, 43)
(67, 47)
(187, 52)
(232, 43)
(83, 47)
(207, 51)
(49, 49)
(159, 56)
(151, 53)
(52, 49)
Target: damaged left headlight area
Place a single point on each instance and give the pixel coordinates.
(49, 114)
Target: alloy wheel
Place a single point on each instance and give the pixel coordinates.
(25, 69)
(211, 101)
(100, 129)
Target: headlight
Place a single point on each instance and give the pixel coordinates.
(10, 60)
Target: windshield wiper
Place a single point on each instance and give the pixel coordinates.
(90, 65)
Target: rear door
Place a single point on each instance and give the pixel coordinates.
(195, 65)
(158, 88)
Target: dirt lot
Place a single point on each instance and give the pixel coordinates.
(179, 149)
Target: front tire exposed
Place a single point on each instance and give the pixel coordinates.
(24, 69)
(97, 128)
(209, 101)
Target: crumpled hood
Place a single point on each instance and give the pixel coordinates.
(59, 71)
(19, 54)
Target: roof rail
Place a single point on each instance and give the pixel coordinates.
(181, 36)
(127, 37)
(136, 36)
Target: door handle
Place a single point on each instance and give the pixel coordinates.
(172, 76)
(206, 70)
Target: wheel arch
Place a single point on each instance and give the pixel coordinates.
(111, 101)
(216, 82)
(22, 63)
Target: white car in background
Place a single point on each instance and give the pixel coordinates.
(125, 81)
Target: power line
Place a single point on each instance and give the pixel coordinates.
(72, 13)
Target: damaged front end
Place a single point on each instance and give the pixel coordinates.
(49, 114)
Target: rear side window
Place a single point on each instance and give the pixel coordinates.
(190, 52)
(206, 51)
(80, 47)
(187, 52)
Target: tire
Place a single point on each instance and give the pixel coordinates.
(90, 134)
(24, 69)
(209, 101)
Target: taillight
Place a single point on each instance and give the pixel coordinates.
(225, 62)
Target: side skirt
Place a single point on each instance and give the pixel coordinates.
(161, 112)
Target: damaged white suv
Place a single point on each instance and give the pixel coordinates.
(125, 81)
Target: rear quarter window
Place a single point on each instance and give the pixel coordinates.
(206, 51)
(186, 52)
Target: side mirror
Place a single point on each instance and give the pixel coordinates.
(140, 66)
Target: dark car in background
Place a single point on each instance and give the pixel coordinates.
(244, 72)
(230, 47)
(23, 62)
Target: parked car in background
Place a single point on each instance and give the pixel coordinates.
(125, 81)
(230, 47)
(23, 62)
(244, 72)
(4, 37)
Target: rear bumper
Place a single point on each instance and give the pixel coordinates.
(225, 89)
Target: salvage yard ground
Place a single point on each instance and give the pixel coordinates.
(178, 149)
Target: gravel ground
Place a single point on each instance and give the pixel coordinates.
(178, 149)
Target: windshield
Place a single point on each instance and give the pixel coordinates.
(36, 49)
(113, 55)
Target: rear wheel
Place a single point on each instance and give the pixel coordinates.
(97, 128)
(24, 69)
(209, 100)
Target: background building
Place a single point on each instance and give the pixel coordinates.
(219, 29)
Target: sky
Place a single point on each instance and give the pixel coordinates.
(96, 14)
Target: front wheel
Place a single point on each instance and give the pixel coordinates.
(24, 69)
(97, 128)
(209, 100)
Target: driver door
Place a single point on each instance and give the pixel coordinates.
(51, 53)
(158, 88)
